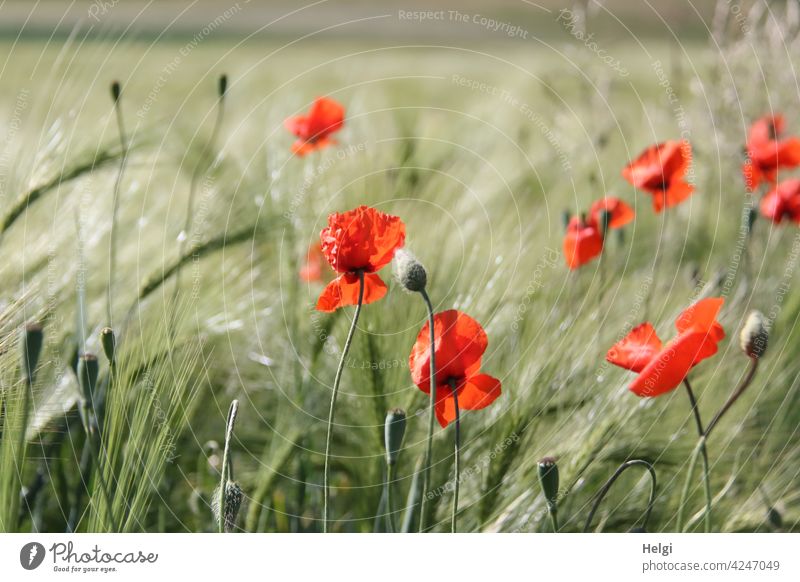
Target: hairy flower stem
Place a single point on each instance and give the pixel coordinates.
(751, 372)
(390, 475)
(112, 245)
(226, 472)
(703, 451)
(457, 454)
(607, 486)
(334, 394)
(431, 414)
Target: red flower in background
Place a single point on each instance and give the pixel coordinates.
(313, 131)
(767, 152)
(460, 344)
(783, 201)
(663, 368)
(583, 241)
(359, 240)
(311, 271)
(619, 213)
(660, 171)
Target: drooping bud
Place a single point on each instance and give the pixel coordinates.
(109, 343)
(223, 84)
(116, 91)
(88, 370)
(233, 502)
(409, 271)
(755, 335)
(32, 340)
(394, 431)
(548, 479)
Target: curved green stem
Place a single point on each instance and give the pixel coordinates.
(226, 473)
(751, 372)
(431, 414)
(686, 486)
(390, 473)
(112, 250)
(457, 453)
(704, 452)
(553, 512)
(334, 394)
(607, 486)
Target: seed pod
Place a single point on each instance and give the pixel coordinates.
(88, 369)
(409, 271)
(755, 335)
(32, 340)
(109, 343)
(394, 431)
(548, 479)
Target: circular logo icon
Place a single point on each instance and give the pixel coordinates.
(31, 555)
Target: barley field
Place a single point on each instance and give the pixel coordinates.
(185, 229)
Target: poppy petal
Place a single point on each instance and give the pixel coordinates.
(668, 369)
(325, 117)
(701, 316)
(478, 392)
(677, 192)
(637, 349)
(582, 243)
(620, 213)
(297, 125)
(344, 289)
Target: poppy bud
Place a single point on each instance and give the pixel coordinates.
(116, 91)
(109, 343)
(548, 479)
(223, 84)
(88, 369)
(394, 430)
(233, 502)
(409, 271)
(566, 216)
(754, 335)
(32, 339)
(774, 518)
(752, 214)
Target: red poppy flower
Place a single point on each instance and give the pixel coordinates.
(311, 271)
(767, 152)
(660, 171)
(783, 201)
(360, 240)
(619, 213)
(583, 242)
(313, 131)
(460, 343)
(663, 368)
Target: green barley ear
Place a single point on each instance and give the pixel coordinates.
(88, 370)
(32, 340)
(410, 272)
(754, 335)
(548, 479)
(394, 431)
(109, 343)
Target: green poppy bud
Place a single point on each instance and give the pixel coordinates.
(548, 479)
(109, 343)
(116, 91)
(223, 84)
(394, 431)
(32, 340)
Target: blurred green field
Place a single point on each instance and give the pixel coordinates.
(479, 150)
